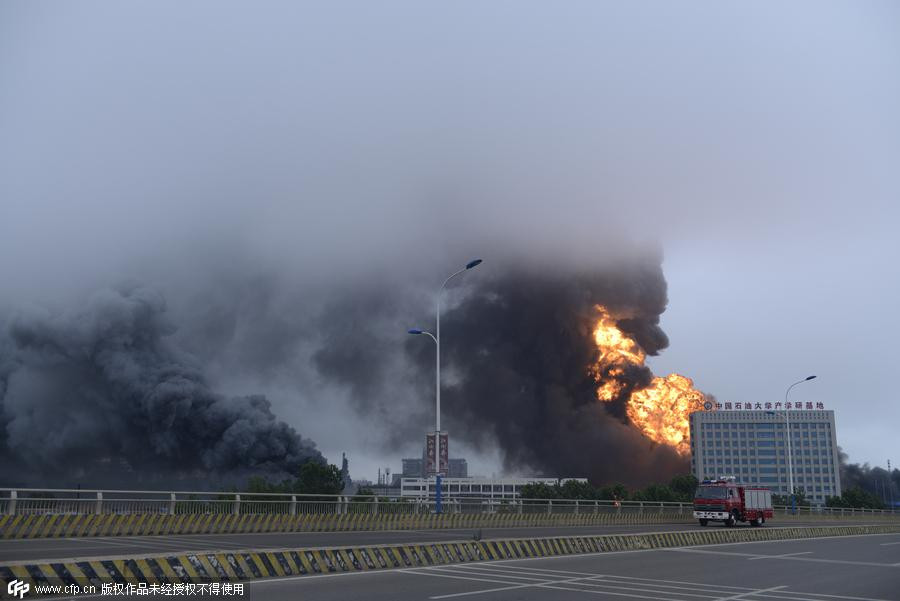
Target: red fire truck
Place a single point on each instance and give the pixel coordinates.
(725, 501)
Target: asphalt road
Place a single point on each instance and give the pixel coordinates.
(857, 568)
(90, 547)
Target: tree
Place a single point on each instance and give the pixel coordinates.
(539, 490)
(684, 487)
(319, 478)
(855, 497)
(573, 489)
(655, 492)
(614, 492)
(314, 478)
(799, 496)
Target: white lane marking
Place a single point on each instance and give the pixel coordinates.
(813, 559)
(137, 545)
(699, 587)
(670, 583)
(596, 581)
(748, 593)
(796, 540)
(607, 582)
(485, 573)
(894, 543)
(779, 556)
(550, 584)
(696, 587)
(436, 574)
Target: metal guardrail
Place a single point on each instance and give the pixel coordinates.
(22, 501)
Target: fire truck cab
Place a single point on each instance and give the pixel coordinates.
(726, 501)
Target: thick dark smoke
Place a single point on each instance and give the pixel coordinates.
(875, 480)
(522, 346)
(100, 395)
(105, 393)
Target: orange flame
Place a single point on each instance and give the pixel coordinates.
(661, 409)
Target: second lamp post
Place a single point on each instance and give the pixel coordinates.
(437, 379)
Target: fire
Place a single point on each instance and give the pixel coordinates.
(661, 409)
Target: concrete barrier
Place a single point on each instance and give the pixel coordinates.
(189, 571)
(54, 525)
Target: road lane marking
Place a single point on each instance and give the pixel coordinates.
(695, 586)
(782, 555)
(555, 585)
(812, 559)
(710, 590)
(595, 581)
(894, 543)
(749, 593)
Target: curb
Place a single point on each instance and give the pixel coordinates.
(144, 524)
(217, 567)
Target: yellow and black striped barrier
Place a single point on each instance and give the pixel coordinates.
(229, 567)
(71, 525)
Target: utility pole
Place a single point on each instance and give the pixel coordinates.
(891, 484)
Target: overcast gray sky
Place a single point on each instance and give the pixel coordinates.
(320, 144)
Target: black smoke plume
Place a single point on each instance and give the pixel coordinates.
(875, 480)
(520, 347)
(101, 395)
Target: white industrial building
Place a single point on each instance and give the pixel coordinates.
(752, 446)
(495, 488)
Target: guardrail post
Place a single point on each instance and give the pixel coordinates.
(596, 507)
(375, 506)
(519, 507)
(98, 508)
(13, 496)
(236, 507)
(293, 504)
(549, 507)
(171, 503)
(641, 507)
(576, 506)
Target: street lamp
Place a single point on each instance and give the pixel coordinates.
(437, 380)
(787, 425)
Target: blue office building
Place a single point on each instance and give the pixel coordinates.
(752, 446)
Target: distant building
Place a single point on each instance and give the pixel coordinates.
(459, 468)
(345, 475)
(752, 447)
(497, 488)
(413, 468)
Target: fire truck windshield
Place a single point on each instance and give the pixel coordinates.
(711, 492)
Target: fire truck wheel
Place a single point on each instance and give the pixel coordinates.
(703, 522)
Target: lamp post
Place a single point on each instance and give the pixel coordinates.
(787, 425)
(437, 379)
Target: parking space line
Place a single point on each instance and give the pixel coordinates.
(555, 586)
(696, 587)
(735, 588)
(750, 593)
(780, 556)
(597, 584)
(812, 559)
(713, 591)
